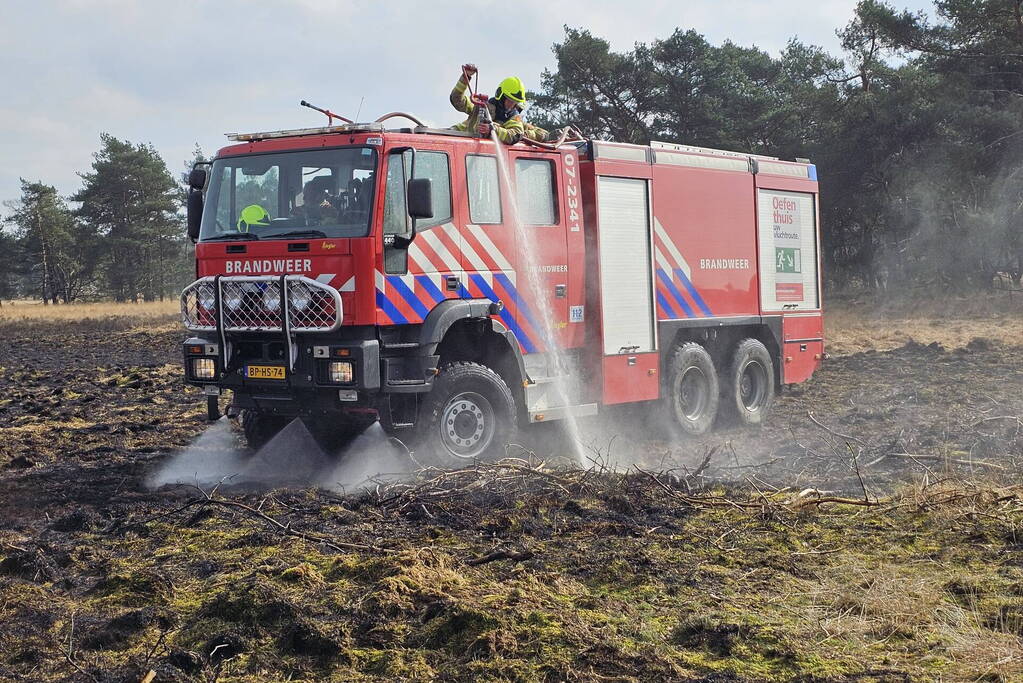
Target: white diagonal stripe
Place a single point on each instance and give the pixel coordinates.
(490, 248)
(449, 261)
(675, 254)
(349, 285)
(325, 278)
(381, 281)
(473, 257)
(419, 258)
(663, 262)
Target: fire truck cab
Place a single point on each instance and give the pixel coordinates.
(458, 291)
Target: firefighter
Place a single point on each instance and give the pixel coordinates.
(505, 109)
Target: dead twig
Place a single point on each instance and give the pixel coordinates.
(831, 431)
(69, 652)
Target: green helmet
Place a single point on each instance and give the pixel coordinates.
(253, 214)
(512, 88)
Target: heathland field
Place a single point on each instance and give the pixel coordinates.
(869, 533)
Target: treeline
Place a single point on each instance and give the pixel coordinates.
(917, 130)
(124, 240)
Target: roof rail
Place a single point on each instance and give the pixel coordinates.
(674, 147)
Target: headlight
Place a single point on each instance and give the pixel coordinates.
(233, 299)
(271, 299)
(207, 301)
(204, 368)
(300, 296)
(340, 372)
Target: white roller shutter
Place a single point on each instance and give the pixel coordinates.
(626, 284)
(787, 227)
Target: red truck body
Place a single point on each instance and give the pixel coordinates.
(639, 251)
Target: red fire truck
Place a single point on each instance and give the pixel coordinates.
(355, 272)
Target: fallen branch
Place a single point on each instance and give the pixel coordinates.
(285, 528)
(833, 432)
(954, 461)
(340, 546)
(501, 555)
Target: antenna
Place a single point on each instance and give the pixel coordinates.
(361, 100)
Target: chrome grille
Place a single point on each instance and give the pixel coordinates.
(252, 303)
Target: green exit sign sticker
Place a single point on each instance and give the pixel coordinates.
(786, 260)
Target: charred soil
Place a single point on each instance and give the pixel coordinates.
(870, 533)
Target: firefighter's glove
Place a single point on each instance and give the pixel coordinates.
(484, 130)
(468, 71)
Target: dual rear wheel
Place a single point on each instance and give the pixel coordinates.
(696, 392)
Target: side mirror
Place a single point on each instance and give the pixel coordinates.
(197, 178)
(420, 198)
(193, 211)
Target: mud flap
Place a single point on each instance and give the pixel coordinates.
(212, 408)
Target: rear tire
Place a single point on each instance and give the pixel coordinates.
(468, 415)
(691, 394)
(259, 428)
(749, 393)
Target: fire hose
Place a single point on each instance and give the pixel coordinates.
(568, 133)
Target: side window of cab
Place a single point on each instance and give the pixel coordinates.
(537, 199)
(432, 165)
(429, 164)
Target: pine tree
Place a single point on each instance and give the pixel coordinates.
(45, 230)
(132, 201)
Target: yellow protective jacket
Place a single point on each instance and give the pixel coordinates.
(508, 132)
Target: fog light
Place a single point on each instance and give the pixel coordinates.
(204, 368)
(340, 372)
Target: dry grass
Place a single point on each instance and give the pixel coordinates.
(852, 325)
(14, 311)
(858, 325)
(894, 608)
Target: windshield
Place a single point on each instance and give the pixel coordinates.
(313, 193)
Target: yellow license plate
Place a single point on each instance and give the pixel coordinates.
(264, 371)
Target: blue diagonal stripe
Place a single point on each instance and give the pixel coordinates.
(384, 304)
(692, 291)
(504, 315)
(520, 303)
(666, 306)
(677, 295)
(426, 283)
(409, 296)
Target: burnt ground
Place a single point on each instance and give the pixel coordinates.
(868, 534)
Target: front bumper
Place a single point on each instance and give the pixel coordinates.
(291, 325)
(306, 385)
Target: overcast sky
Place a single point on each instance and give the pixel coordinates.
(177, 73)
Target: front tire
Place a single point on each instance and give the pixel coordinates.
(259, 428)
(692, 393)
(750, 391)
(469, 414)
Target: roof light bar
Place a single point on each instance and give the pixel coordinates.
(298, 132)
